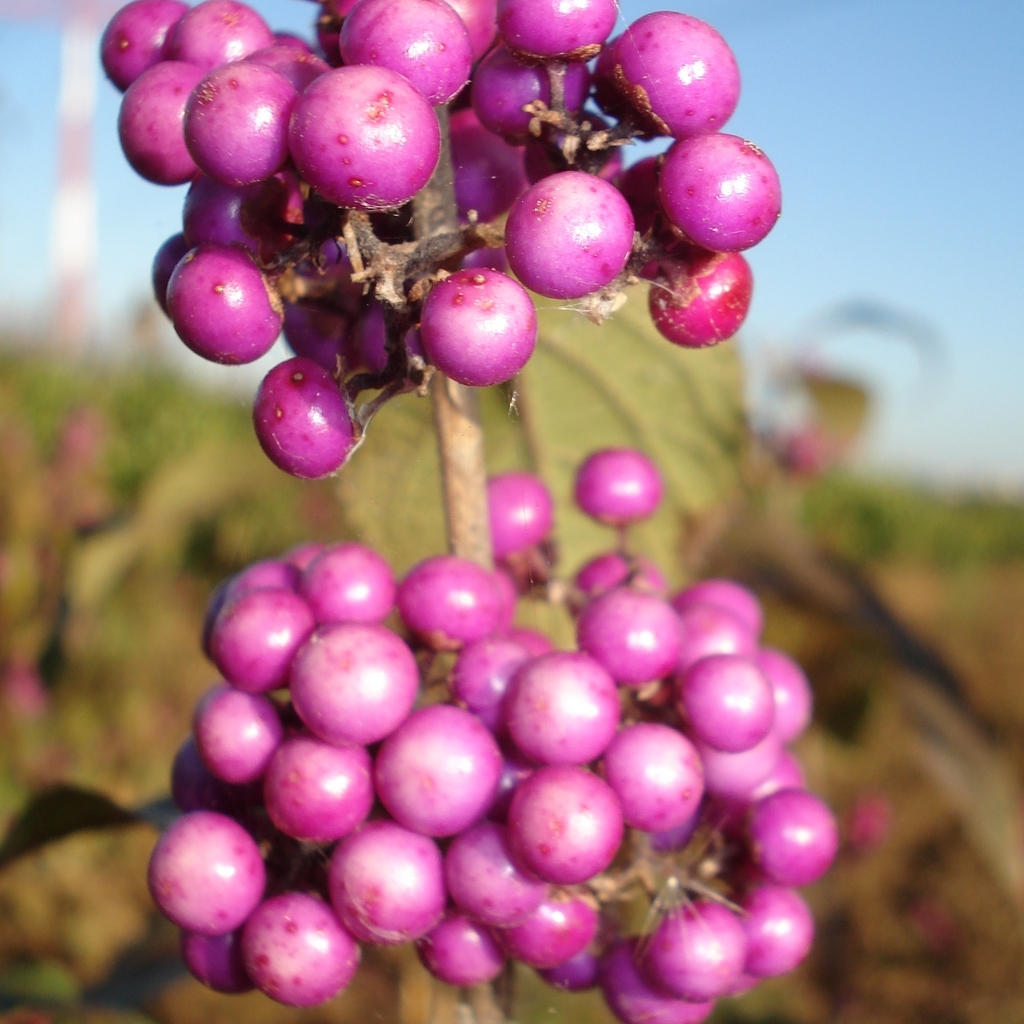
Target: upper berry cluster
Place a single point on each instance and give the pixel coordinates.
(307, 172)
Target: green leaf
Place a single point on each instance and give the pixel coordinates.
(59, 812)
(38, 982)
(622, 384)
(586, 387)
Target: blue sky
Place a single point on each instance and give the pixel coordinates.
(896, 129)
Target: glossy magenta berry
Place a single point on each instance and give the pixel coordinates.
(549, 28)
(297, 952)
(635, 636)
(634, 1000)
(618, 486)
(206, 873)
(302, 421)
(569, 235)
(425, 41)
(353, 682)
(364, 138)
(728, 702)
(218, 32)
(348, 583)
(136, 37)
(780, 930)
(657, 774)
(149, 124)
(520, 510)
(438, 772)
(701, 300)
(222, 306)
(720, 191)
(479, 327)
(727, 594)
(678, 71)
(460, 951)
(794, 836)
(449, 601)
(236, 122)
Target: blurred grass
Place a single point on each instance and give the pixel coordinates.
(126, 494)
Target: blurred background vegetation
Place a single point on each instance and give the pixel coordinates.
(127, 493)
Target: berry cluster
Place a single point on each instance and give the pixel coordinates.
(304, 172)
(515, 803)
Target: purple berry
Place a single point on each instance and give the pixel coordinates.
(794, 837)
(300, 67)
(270, 572)
(485, 881)
(302, 421)
(565, 824)
(709, 629)
(678, 71)
(255, 636)
(725, 594)
(780, 930)
(222, 306)
(514, 769)
(479, 327)
(508, 595)
(302, 555)
(218, 32)
(560, 928)
(195, 788)
(657, 775)
(677, 838)
(236, 122)
(364, 138)
(438, 772)
(425, 41)
(482, 674)
(206, 873)
(214, 213)
(216, 961)
(520, 510)
(387, 883)
(502, 86)
(787, 774)
(618, 486)
(489, 174)
(481, 20)
(720, 191)
(349, 583)
(291, 41)
(549, 28)
(461, 952)
(562, 708)
(697, 952)
(448, 601)
(611, 570)
(236, 733)
(536, 643)
(633, 1000)
(296, 952)
(635, 636)
(576, 974)
(793, 698)
(135, 38)
(322, 336)
(701, 300)
(569, 235)
(150, 122)
(735, 776)
(728, 702)
(168, 256)
(354, 682)
(318, 791)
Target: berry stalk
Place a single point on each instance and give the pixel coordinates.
(460, 436)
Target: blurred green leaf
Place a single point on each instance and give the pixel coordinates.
(39, 982)
(586, 387)
(621, 384)
(59, 812)
(841, 405)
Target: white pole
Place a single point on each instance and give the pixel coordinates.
(73, 238)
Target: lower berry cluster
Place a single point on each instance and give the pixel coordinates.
(389, 762)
